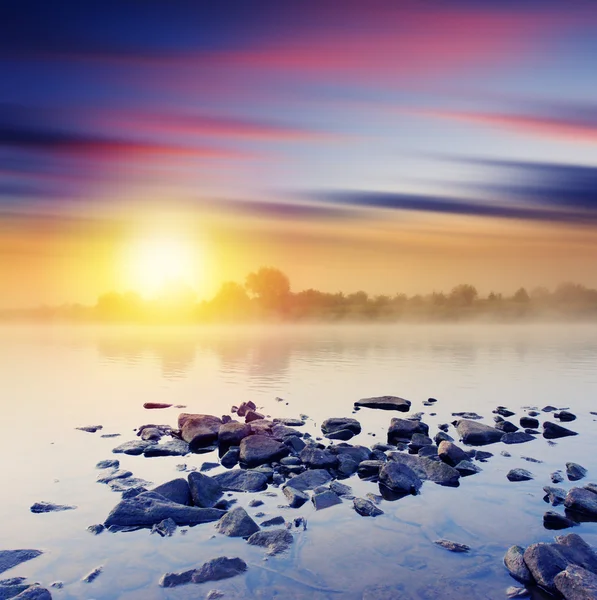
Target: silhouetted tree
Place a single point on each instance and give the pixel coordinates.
(521, 295)
(463, 294)
(270, 286)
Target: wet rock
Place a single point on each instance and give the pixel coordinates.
(150, 508)
(275, 540)
(418, 441)
(452, 546)
(245, 407)
(325, 499)
(10, 588)
(108, 464)
(442, 436)
(113, 474)
(451, 454)
(506, 454)
(518, 437)
(175, 579)
(370, 468)
(375, 498)
(582, 500)
(208, 466)
(230, 459)
(503, 411)
(237, 523)
(544, 561)
(260, 449)
(428, 452)
(295, 443)
(92, 575)
(553, 520)
(554, 495)
(309, 479)
(399, 478)
(290, 461)
(345, 491)
(553, 431)
(34, 592)
(366, 508)
(466, 468)
(96, 529)
(577, 551)
(233, 433)
(592, 487)
(556, 477)
(213, 570)
(12, 558)
(529, 422)
(253, 416)
(155, 405)
(199, 430)
(239, 480)
(403, 429)
(517, 592)
(532, 460)
(477, 434)
(514, 561)
(90, 428)
(482, 456)
(549, 408)
(169, 448)
(290, 422)
(346, 466)
(315, 458)
(128, 484)
(133, 448)
(519, 475)
(565, 416)
(224, 504)
(151, 433)
(165, 528)
(576, 583)
(574, 471)
(333, 426)
(384, 403)
(506, 426)
(473, 416)
(296, 498)
(45, 507)
(273, 521)
(255, 503)
(176, 490)
(356, 453)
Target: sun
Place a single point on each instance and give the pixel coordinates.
(156, 262)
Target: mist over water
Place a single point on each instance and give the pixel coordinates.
(54, 379)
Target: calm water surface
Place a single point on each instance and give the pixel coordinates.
(55, 379)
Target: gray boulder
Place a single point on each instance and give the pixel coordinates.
(403, 429)
(366, 508)
(199, 430)
(554, 520)
(340, 428)
(544, 561)
(205, 491)
(325, 499)
(519, 475)
(258, 450)
(514, 561)
(173, 447)
(399, 478)
(576, 583)
(296, 498)
(582, 500)
(315, 458)
(309, 480)
(517, 437)
(384, 403)
(34, 592)
(230, 458)
(150, 508)
(134, 447)
(237, 523)
(176, 490)
(12, 558)
(553, 431)
(451, 454)
(554, 495)
(239, 480)
(477, 434)
(233, 433)
(574, 471)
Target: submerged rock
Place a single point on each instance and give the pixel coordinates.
(12, 558)
(239, 480)
(477, 434)
(113, 474)
(554, 495)
(92, 575)
(133, 448)
(45, 507)
(150, 508)
(237, 523)
(213, 570)
(275, 540)
(452, 546)
(96, 529)
(108, 464)
(90, 428)
(554, 520)
(165, 528)
(366, 508)
(553, 431)
(384, 403)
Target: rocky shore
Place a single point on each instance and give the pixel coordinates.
(259, 452)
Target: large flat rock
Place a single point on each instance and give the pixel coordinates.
(477, 434)
(384, 403)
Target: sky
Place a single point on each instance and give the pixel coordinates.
(391, 146)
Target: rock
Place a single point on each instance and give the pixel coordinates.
(554, 495)
(34, 592)
(199, 430)
(92, 575)
(530, 422)
(258, 450)
(346, 466)
(340, 428)
(325, 499)
(370, 468)
(290, 461)
(290, 422)
(45, 507)
(133, 448)
(239, 480)
(556, 477)
(176, 490)
(518, 437)
(553, 431)
(130, 483)
(169, 580)
(544, 561)
(466, 468)
(275, 540)
(577, 551)
(564, 415)
(233, 433)
(214, 594)
(514, 561)
(356, 453)
(253, 416)
(255, 503)
(230, 459)
(383, 592)
(218, 569)
(477, 434)
(384, 403)
(155, 405)
(245, 407)
(108, 464)
(165, 528)
(428, 452)
(12, 587)
(482, 456)
(237, 523)
(503, 411)
(296, 498)
(517, 592)
(419, 441)
(553, 520)
(440, 473)
(403, 429)
(169, 448)
(151, 433)
(273, 521)
(309, 480)
(574, 471)
(315, 458)
(90, 428)
(592, 487)
(576, 583)
(519, 475)
(473, 416)
(294, 443)
(150, 508)
(506, 426)
(110, 435)
(206, 466)
(452, 546)
(399, 478)
(531, 459)
(113, 474)
(342, 490)
(549, 408)
(12, 558)
(451, 454)
(366, 508)
(582, 500)
(96, 529)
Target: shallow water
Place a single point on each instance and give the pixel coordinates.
(53, 379)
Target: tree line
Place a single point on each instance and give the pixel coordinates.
(266, 295)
